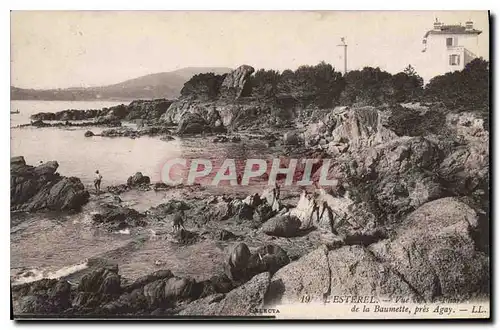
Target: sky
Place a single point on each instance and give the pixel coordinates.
(59, 49)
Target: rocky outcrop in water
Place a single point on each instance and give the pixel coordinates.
(132, 133)
(227, 106)
(116, 217)
(150, 110)
(41, 188)
(106, 122)
(72, 114)
(138, 179)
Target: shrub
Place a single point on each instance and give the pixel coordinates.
(264, 83)
(466, 90)
(408, 122)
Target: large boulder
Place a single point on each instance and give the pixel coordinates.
(434, 250)
(36, 188)
(235, 82)
(43, 116)
(66, 194)
(170, 291)
(177, 288)
(268, 258)
(142, 281)
(262, 213)
(204, 306)
(216, 284)
(109, 121)
(242, 300)
(46, 296)
(431, 256)
(242, 265)
(47, 168)
(224, 235)
(310, 275)
(138, 179)
(103, 281)
(282, 225)
(116, 217)
(238, 302)
(220, 210)
(237, 261)
(355, 271)
(323, 275)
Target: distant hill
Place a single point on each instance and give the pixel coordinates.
(151, 86)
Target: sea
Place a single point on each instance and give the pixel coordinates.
(55, 244)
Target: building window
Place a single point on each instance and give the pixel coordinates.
(449, 42)
(454, 59)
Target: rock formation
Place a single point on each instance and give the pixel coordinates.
(138, 179)
(40, 187)
(235, 82)
(431, 257)
(150, 110)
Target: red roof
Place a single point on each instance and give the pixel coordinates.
(452, 29)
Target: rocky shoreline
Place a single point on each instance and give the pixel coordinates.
(408, 217)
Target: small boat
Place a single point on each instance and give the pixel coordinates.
(13, 112)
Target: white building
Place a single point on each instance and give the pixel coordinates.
(448, 48)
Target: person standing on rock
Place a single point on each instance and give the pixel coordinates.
(97, 182)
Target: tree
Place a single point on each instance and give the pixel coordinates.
(370, 86)
(264, 83)
(318, 85)
(407, 85)
(410, 71)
